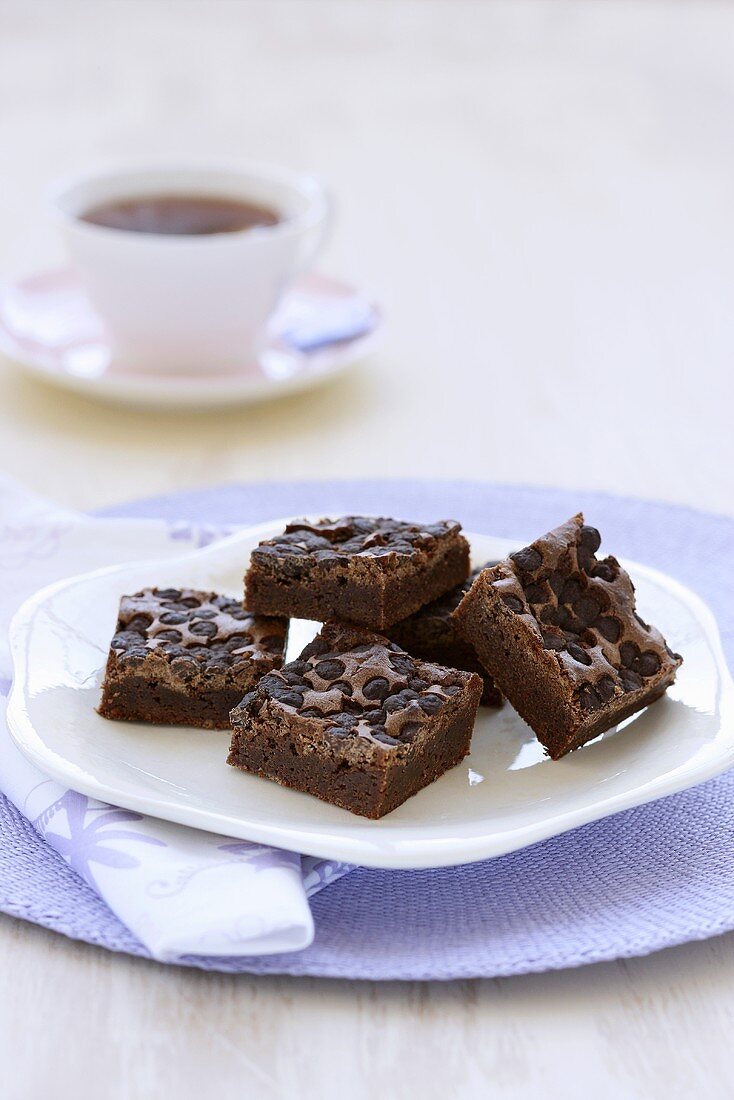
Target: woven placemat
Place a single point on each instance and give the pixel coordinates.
(644, 879)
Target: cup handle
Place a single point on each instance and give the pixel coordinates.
(314, 241)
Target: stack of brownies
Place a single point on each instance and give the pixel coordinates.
(384, 700)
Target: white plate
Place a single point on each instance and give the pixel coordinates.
(504, 796)
(49, 328)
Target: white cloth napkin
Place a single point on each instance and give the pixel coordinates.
(181, 891)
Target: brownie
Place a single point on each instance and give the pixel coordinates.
(558, 630)
(356, 722)
(185, 658)
(365, 570)
(430, 634)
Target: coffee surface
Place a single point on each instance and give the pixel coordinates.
(181, 215)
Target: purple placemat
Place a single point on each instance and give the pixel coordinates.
(642, 880)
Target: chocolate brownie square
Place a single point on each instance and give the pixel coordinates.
(356, 722)
(430, 634)
(185, 658)
(558, 630)
(365, 570)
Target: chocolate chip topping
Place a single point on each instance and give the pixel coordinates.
(338, 541)
(583, 613)
(194, 631)
(361, 686)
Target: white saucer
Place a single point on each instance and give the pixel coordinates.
(48, 327)
(504, 796)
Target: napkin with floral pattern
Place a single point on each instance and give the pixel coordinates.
(181, 891)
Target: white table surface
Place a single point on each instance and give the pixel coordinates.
(540, 194)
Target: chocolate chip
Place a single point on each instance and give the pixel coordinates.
(184, 667)
(330, 670)
(402, 664)
(384, 738)
(605, 688)
(609, 628)
(536, 593)
(430, 703)
(630, 680)
(349, 721)
(203, 628)
(578, 653)
(586, 560)
(204, 613)
(513, 603)
(311, 712)
(225, 603)
(168, 593)
(649, 663)
(140, 623)
(564, 618)
(282, 692)
(190, 601)
(133, 658)
(343, 686)
(264, 551)
(339, 731)
(168, 636)
(587, 609)
(290, 699)
(270, 681)
(628, 654)
(376, 718)
(393, 703)
(589, 538)
(588, 698)
(553, 641)
(376, 688)
(557, 581)
(571, 591)
(172, 618)
(604, 572)
(125, 638)
(416, 684)
(527, 560)
(293, 678)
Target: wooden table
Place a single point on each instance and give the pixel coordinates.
(540, 195)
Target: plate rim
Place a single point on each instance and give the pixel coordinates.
(422, 853)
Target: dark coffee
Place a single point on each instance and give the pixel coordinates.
(180, 215)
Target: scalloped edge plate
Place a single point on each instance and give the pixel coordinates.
(504, 796)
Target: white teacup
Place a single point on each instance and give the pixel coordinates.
(191, 303)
